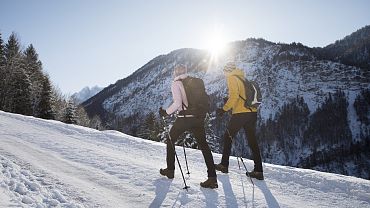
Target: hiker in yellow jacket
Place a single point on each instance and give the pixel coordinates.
(242, 117)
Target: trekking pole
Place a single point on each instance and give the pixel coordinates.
(241, 159)
(237, 158)
(186, 160)
(246, 171)
(174, 150)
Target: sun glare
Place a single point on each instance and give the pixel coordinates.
(216, 45)
(216, 42)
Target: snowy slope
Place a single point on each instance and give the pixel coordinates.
(48, 163)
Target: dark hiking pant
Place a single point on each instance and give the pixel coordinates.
(248, 122)
(196, 126)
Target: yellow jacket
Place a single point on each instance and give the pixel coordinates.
(236, 88)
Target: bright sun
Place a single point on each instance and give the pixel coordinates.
(216, 41)
(216, 45)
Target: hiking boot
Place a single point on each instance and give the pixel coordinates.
(256, 175)
(169, 173)
(211, 182)
(222, 168)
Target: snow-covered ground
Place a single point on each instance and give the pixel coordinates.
(48, 163)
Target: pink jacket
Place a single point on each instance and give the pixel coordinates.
(178, 95)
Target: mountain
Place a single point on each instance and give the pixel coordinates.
(315, 110)
(352, 50)
(86, 93)
(48, 163)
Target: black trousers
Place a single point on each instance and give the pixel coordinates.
(196, 126)
(248, 122)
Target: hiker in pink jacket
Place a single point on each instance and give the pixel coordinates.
(178, 94)
(186, 122)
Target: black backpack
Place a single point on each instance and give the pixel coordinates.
(252, 93)
(196, 94)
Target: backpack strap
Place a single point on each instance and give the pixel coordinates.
(183, 104)
(243, 85)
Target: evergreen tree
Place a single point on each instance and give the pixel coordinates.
(33, 64)
(96, 123)
(150, 128)
(60, 104)
(2, 54)
(34, 70)
(12, 50)
(82, 117)
(17, 84)
(21, 90)
(362, 106)
(2, 73)
(70, 114)
(46, 100)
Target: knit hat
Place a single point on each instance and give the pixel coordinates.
(180, 69)
(230, 66)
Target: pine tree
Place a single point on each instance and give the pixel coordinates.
(12, 50)
(96, 123)
(2, 74)
(150, 128)
(21, 90)
(2, 52)
(82, 117)
(33, 69)
(45, 105)
(60, 104)
(17, 84)
(362, 106)
(70, 114)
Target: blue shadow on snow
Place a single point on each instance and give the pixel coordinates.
(162, 186)
(270, 199)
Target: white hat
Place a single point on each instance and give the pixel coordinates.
(229, 66)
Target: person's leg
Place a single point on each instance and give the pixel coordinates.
(178, 128)
(250, 130)
(200, 136)
(235, 124)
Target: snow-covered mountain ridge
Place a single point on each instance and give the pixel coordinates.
(85, 93)
(51, 164)
(283, 72)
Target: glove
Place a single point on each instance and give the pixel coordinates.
(162, 112)
(220, 112)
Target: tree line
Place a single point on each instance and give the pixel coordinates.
(25, 88)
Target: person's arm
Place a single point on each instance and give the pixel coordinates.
(232, 84)
(177, 98)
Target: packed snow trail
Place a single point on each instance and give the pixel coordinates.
(49, 163)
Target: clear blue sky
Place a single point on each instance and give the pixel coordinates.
(96, 42)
